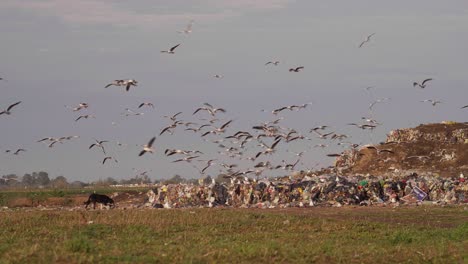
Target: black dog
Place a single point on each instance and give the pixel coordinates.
(99, 198)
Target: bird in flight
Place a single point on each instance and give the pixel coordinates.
(297, 69)
(108, 158)
(7, 111)
(126, 83)
(84, 116)
(171, 50)
(433, 102)
(423, 84)
(366, 40)
(148, 147)
(99, 144)
(272, 62)
(466, 106)
(188, 29)
(147, 104)
(16, 152)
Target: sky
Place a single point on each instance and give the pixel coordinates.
(56, 53)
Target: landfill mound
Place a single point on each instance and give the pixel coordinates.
(432, 149)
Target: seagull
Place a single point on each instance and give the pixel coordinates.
(148, 147)
(272, 62)
(380, 150)
(79, 107)
(173, 117)
(268, 150)
(84, 116)
(423, 84)
(131, 112)
(218, 130)
(297, 69)
(99, 144)
(126, 83)
(187, 159)
(173, 125)
(378, 101)
(365, 126)
(171, 50)
(466, 106)
(18, 151)
(366, 40)
(7, 111)
(210, 109)
(147, 104)
(108, 158)
(219, 76)
(188, 29)
(433, 102)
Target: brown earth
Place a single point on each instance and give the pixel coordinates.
(435, 149)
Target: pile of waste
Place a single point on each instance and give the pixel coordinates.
(323, 190)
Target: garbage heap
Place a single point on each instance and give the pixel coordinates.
(440, 148)
(324, 190)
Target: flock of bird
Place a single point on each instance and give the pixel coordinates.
(255, 145)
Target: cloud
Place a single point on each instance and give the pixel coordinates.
(111, 13)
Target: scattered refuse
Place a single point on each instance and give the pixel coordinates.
(323, 190)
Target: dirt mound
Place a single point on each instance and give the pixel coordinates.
(436, 149)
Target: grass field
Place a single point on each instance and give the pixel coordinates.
(323, 235)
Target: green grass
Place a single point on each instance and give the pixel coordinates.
(323, 235)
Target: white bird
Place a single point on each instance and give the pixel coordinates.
(148, 147)
(188, 29)
(7, 111)
(366, 40)
(466, 106)
(126, 83)
(108, 158)
(218, 130)
(433, 102)
(219, 76)
(99, 144)
(79, 107)
(423, 84)
(171, 50)
(147, 104)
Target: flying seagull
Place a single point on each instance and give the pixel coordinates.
(297, 69)
(188, 29)
(433, 102)
(272, 62)
(148, 104)
(148, 147)
(84, 116)
(423, 84)
(126, 83)
(108, 158)
(466, 106)
(171, 50)
(7, 111)
(99, 144)
(366, 40)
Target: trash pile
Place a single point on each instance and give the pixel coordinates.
(439, 148)
(312, 191)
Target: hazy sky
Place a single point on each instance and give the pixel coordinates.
(57, 52)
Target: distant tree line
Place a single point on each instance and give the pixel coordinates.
(41, 179)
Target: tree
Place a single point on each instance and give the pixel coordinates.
(59, 182)
(43, 178)
(28, 180)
